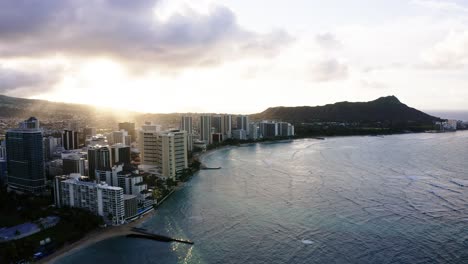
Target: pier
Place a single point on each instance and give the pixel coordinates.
(143, 233)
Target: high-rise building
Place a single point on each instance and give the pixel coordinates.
(25, 157)
(31, 123)
(239, 134)
(130, 128)
(285, 129)
(120, 154)
(2, 150)
(253, 131)
(243, 123)
(222, 124)
(171, 152)
(98, 198)
(268, 129)
(89, 132)
(74, 164)
(150, 127)
(3, 172)
(186, 125)
(119, 136)
(50, 146)
(70, 139)
(205, 129)
(109, 176)
(99, 158)
(227, 126)
(3, 164)
(98, 140)
(147, 146)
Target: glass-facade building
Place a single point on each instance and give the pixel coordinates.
(25, 160)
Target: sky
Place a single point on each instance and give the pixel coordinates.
(235, 56)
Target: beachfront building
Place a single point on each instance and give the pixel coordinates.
(253, 131)
(99, 198)
(205, 129)
(172, 152)
(239, 134)
(243, 123)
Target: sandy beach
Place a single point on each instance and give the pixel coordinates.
(94, 237)
(110, 232)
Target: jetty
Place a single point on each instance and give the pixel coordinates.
(204, 167)
(143, 233)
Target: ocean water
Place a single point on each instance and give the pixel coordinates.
(392, 199)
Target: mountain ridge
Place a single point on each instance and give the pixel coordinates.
(383, 109)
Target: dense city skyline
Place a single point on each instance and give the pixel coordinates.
(188, 56)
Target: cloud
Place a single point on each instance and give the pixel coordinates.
(367, 83)
(328, 70)
(131, 31)
(327, 41)
(28, 82)
(450, 53)
(441, 5)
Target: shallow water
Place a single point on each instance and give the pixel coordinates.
(393, 199)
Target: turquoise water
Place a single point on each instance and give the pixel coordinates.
(393, 199)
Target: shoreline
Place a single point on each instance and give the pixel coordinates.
(122, 230)
(99, 235)
(95, 237)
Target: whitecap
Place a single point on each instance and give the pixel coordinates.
(307, 242)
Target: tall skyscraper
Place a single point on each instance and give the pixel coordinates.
(130, 128)
(120, 154)
(186, 125)
(243, 123)
(99, 158)
(25, 157)
(172, 152)
(70, 139)
(205, 129)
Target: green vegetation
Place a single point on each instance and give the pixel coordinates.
(17, 209)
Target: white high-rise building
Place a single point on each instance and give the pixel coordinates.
(119, 136)
(186, 125)
(147, 145)
(172, 152)
(101, 199)
(205, 129)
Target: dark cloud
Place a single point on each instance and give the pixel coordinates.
(328, 70)
(128, 31)
(26, 83)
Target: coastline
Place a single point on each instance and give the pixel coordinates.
(95, 237)
(114, 231)
(122, 230)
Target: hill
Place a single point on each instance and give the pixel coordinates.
(384, 109)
